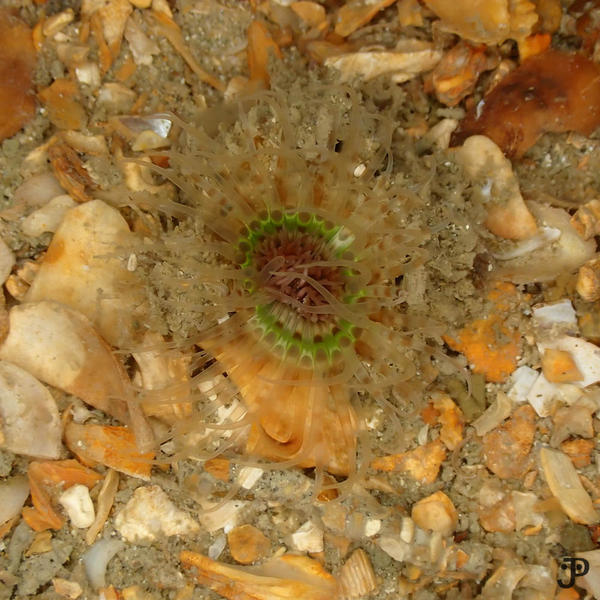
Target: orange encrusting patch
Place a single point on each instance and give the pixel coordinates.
(490, 345)
(43, 476)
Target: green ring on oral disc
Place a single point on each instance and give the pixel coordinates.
(312, 349)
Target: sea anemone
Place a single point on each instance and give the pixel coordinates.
(280, 266)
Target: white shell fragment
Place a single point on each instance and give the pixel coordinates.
(7, 261)
(150, 515)
(248, 476)
(308, 538)
(564, 483)
(404, 63)
(29, 419)
(49, 217)
(96, 559)
(559, 313)
(82, 270)
(59, 346)
(225, 517)
(78, 505)
(13, 493)
(522, 379)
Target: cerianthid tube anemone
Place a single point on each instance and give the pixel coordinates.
(282, 259)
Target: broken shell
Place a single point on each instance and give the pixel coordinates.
(282, 578)
(558, 366)
(508, 216)
(436, 513)
(456, 74)
(486, 21)
(150, 514)
(422, 463)
(564, 255)
(7, 261)
(29, 419)
(80, 269)
(565, 485)
(579, 451)
(452, 422)
(59, 346)
(356, 577)
(356, 13)
(507, 448)
(404, 63)
(247, 544)
(588, 280)
(13, 493)
(111, 446)
(49, 217)
(584, 354)
(61, 100)
(106, 496)
(586, 219)
(67, 589)
(78, 505)
(309, 538)
(494, 414)
(96, 559)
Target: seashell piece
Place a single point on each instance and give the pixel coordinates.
(452, 421)
(549, 92)
(151, 515)
(423, 463)
(558, 366)
(13, 493)
(565, 485)
(282, 578)
(308, 538)
(436, 513)
(61, 100)
(558, 255)
(67, 589)
(486, 21)
(48, 217)
(80, 269)
(111, 446)
(356, 13)
(507, 448)
(247, 544)
(401, 65)
(59, 346)
(78, 505)
(508, 216)
(357, 578)
(29, 419)
(588, 280)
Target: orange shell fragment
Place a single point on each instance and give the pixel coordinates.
(550, 92)
(286, 577)
(423, 463)
(17, 60)
(260, 45)
(111, 446)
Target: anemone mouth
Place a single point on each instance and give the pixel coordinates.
(297, 261)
